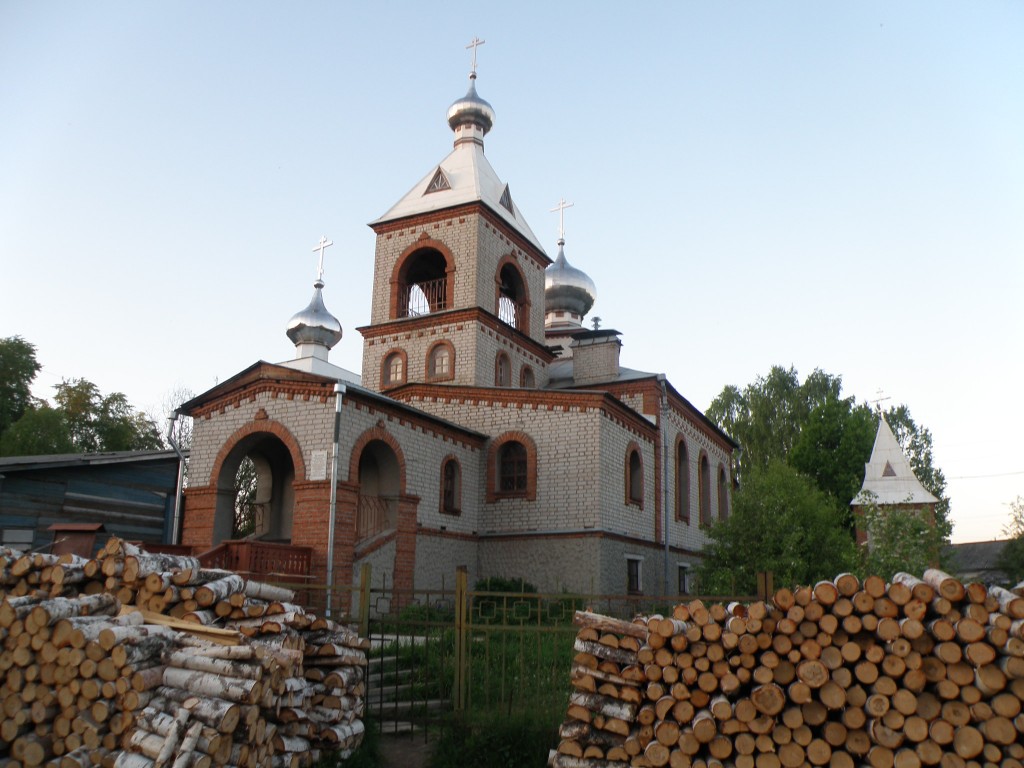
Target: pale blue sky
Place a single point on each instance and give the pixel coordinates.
(812, 184)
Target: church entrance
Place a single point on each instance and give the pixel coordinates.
(380, 483)
(255, 497)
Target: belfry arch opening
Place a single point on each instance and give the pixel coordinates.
(422, 284)
(380, 483)
(513, 301)
(255, 494)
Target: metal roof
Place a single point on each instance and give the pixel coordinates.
(888, 475)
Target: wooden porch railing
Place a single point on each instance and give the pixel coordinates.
(261, 559)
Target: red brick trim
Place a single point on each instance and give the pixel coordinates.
(275, 428)
(530, 494)
(650, 390)
(633, 450)
(704, 487)
(682, 481)
(429, 368)
(722, 488)
(498, 358)
(385, 383)
(457, 510)
(376, 433)
(398, 227)
(535, 399)
(409, 325)
(524, 304)
(398, 274)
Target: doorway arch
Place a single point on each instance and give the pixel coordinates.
(262, 509)
(379, 475)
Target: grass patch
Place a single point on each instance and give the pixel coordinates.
(495, 741)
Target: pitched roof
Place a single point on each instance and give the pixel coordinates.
(465, 176)
(888, 475)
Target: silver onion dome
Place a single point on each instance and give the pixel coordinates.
(569, 293)
(314, 324)
(471, 110)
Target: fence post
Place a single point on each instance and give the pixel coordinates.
(461, 606)
(365, 577)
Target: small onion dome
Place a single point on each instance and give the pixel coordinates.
(314, 324)
(469, 113)
(569, 293)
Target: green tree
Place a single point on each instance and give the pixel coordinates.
(1011, 559)
(780, 522)
(899, 539)
(834, 444)
(42, 429)
(104, 423)
(766, 417)
(18, 368)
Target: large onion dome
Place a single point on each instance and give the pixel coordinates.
(569, 293)
(470, 117)
(314, 330)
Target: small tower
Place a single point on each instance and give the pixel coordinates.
(889, 480)
(459, 274)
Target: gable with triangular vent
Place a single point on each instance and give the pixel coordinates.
(506, 200)
(439, 183)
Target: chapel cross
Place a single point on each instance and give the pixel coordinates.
(324, 243)
(879, 399)
(475, 43)
(562, 205)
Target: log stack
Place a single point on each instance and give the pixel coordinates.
(916, 672)
(138, 660)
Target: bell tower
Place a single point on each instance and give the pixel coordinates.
(458, 288)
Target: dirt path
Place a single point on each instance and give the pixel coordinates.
(404, 751)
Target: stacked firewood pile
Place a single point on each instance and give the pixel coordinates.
(140, 660)
(917, 672)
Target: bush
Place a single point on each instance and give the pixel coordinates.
(501, 584)
(498, 741)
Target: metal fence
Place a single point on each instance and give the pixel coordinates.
(474, 654)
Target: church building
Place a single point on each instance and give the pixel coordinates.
(490, 428)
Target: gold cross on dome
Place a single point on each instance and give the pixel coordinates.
(562, 205)
(324, 243)
(475, 43)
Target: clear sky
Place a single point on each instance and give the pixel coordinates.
(838, 185)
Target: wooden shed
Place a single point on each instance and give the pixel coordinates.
(126, 493)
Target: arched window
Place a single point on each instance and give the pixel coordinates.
(634, 477)
(512, 469)
(393, 369)
(682, 482)
(421, 282)
(451, 486)
(704, 486)
(526, 378)
(512, 299)
(723, 494)
(502, 371)
(441, 362)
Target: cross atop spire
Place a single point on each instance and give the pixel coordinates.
(324, 243)
(475, 43)
(562, 205)
(881, 397)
